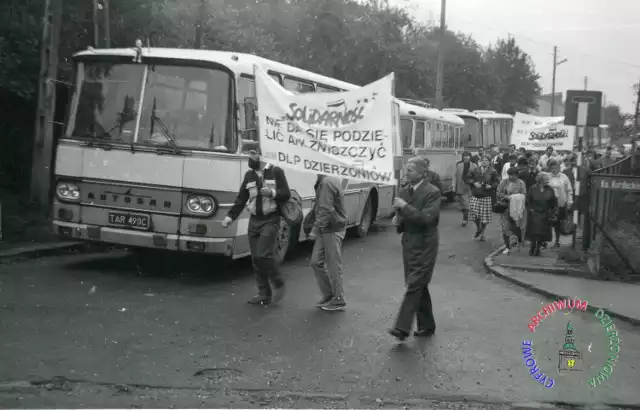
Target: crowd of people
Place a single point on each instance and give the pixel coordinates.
(532, 193)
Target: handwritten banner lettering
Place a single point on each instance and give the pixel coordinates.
(345, 135)
(538, 133)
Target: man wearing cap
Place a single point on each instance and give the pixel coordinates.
(418, 214)
(263, 189)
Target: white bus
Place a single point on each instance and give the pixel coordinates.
(436, 135)
(483, 128)
(154, 151)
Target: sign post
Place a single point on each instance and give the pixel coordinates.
(583, 109)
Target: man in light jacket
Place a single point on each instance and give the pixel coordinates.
(328, 226)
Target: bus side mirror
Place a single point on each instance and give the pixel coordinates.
(250, 113)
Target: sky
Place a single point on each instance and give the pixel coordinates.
(595, 36)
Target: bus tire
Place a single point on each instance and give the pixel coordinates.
(362, 230)
(285, 241)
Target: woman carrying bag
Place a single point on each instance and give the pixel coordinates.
(511, 193)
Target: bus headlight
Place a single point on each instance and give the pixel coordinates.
(201, 205)
(68, 192)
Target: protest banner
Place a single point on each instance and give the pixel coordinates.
(537, 133)
(344, 135)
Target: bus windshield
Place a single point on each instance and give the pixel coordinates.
(192, 104)
(471, 134)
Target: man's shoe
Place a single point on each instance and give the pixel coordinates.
(334, 304)
(278, 294)
(424, 333)
(325, 301)
(259, 300)
(398, 334)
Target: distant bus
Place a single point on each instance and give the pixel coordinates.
(483, 128)
(436, 135)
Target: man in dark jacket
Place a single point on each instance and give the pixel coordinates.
(418, 214)
(263, 189)
(329, 222)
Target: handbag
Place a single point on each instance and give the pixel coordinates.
(291, 211)
(501, 206)
(567, 227)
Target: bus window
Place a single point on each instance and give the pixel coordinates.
(439, 135)
(451, 137)
(459, 143)
(472, 134)
(323, 89)
(297, 87)
(420, 131)
(406, 128)
(497, 132)
(509, 127)
(429, 141)
(489, 134)
(246, 89)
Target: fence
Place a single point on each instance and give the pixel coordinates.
(612, 223)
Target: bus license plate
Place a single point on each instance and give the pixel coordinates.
(129, 220)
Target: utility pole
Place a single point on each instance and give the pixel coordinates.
(556, 63)
(586, 82)
(107, 24)
(637, 113)
(96, 25)
(43, 139)
(201, 11)
(553, 81)
(440, 75)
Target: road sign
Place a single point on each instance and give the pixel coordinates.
(583, 108)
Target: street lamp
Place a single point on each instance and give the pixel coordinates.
(556, 63)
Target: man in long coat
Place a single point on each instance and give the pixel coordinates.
(418, 214)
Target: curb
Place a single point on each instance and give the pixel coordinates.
(53, 249)
(572, 272)
(499, 271)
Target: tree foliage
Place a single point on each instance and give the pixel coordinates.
(355, 41)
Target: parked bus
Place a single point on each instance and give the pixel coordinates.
(155, 152)
(435, 134)
(483, 128)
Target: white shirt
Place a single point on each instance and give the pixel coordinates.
(505, 168)
(417, 185)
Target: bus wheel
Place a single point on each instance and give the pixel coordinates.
(365, 222)
(283, 242)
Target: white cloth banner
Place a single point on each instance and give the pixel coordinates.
(538, 133)
(344, 135)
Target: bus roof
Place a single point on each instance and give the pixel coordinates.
(429, 113)
(486, 114)
(237, 62)
(460, 112)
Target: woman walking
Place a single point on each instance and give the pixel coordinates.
(484, 181)
(542, 213)
(564, 194)
(514, 191)
(460, 185)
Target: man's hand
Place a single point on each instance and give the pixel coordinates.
(399, 203)
(266, 192)
(226, 221)
(477, 184)
(314, 233)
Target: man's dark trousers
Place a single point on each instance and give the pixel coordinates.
(262, 238)
(416, 303)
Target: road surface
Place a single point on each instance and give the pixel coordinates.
(90, 331)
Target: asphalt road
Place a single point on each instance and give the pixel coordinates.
(91, 331)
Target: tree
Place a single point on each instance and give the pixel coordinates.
(516, 80)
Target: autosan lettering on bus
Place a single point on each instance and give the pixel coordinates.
(557, 305)
(530, 362)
